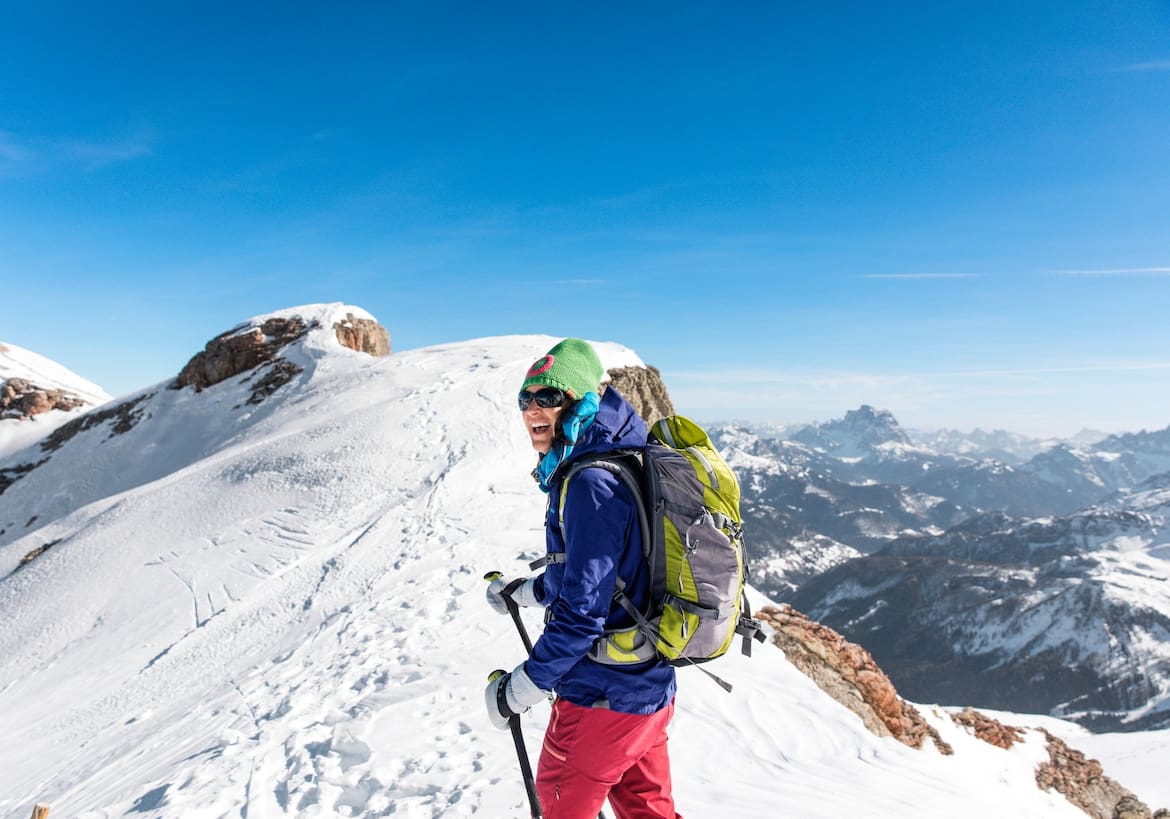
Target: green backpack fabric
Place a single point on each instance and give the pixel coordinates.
(692, 536)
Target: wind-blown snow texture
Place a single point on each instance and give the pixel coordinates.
(278, 611)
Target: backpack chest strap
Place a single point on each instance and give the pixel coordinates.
(555, 557)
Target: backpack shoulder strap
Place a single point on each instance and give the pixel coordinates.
(616, 465)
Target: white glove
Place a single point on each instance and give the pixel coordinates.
(511, 695)
(523, 594)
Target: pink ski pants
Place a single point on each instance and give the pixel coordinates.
(593, 753)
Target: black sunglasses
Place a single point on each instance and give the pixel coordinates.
(548, 398)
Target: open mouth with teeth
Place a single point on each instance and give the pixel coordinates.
(542, 435)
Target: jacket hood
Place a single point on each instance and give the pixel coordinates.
(616, 426)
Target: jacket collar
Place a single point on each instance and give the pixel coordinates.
(615, 426)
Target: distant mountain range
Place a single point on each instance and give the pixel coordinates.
(1035, 586)
(998, 444)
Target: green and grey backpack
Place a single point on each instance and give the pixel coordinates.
(692, 537)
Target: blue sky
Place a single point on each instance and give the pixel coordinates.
(959, 212)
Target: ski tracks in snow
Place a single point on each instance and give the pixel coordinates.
(329, 726)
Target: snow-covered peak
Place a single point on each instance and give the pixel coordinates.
(38, 396)
(17, 362)
(863, 432)
(324, 314)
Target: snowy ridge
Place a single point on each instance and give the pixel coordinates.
(17, 362)
(278, 611)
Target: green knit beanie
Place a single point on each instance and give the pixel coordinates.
(572, 365)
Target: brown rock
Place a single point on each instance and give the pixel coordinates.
(644, 389)
(989, 730)
(363, 335)
(37, 552)
(1130, 808)
(279, 374)
(1081, 781)
(847, 673)
(22, 399)
(236, 352)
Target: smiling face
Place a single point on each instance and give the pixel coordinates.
(541, 422)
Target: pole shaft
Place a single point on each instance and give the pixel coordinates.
(525, 767)
(514, 610)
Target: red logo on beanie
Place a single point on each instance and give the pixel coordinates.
(542, 365)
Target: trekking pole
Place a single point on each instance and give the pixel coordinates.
(514, 610)
(521, 752)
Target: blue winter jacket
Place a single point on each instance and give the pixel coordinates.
(604, 541)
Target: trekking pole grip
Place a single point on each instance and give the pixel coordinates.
(513, 609)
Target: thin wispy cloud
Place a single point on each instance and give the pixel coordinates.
(101, 154)
(1153, 65)
(25, 156)
(634, 197)
(1116, 271)
(920, 276)
(11, 150)
(16, 158)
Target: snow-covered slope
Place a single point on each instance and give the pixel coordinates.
(25, 365)
(277, 610)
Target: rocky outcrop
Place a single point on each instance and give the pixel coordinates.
(125, 416)
(1082, 782)
(22, 399)
(363, 335)
(255, 350)
(644, 389)
(274, 377)
(238, 351)
(847, 673)
(37, 552)
(991, 731)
